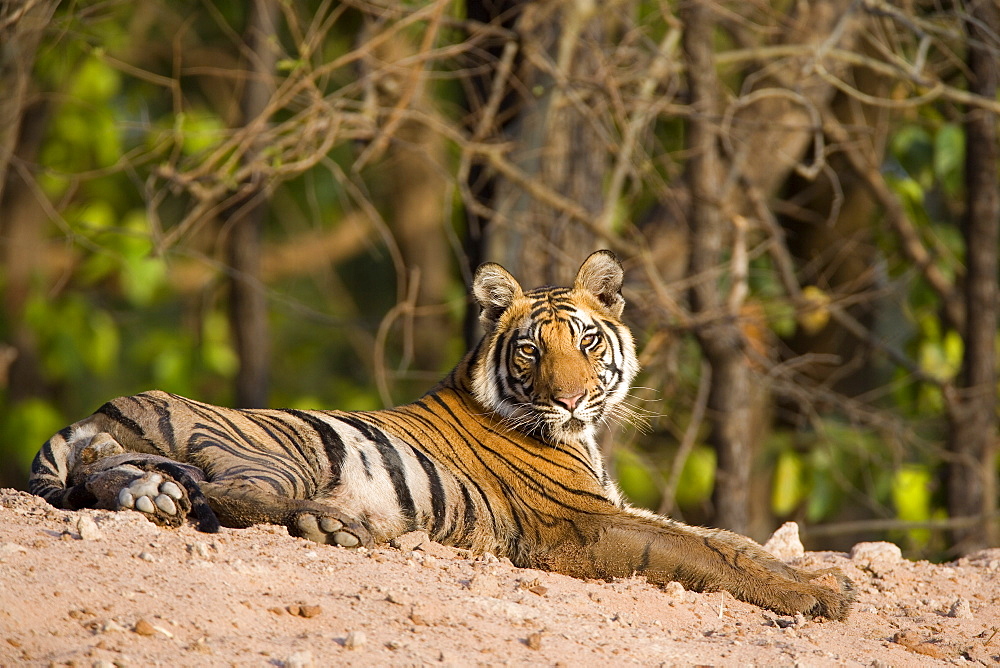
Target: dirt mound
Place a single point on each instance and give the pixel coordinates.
(99, 588)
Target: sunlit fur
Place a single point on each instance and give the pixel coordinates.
(500, 456)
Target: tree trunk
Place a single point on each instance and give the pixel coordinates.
(248, 299)
(22, 239)
(554, 142)
(22, 24)
(728, 408)
(972, 477)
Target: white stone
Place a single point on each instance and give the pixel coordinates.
(876, 552)
(785, 543)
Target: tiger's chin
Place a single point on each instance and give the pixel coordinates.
(572, 429)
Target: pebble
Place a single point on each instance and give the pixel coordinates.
(87, 528)
(144, 628)
(960, 609)
(11, 548)
(876, 552)
(785, 543)
(303, 659)
(306, 611)
(409, 541)
(355, 640)
(397, 598)
(674, 591)
(198, 549)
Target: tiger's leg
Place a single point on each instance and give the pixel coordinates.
(240, 503)
(704, 560)
(104, 475)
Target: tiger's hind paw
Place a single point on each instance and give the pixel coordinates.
(837, 594)
(323, 527)
(160, 499)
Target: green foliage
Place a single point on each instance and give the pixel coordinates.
(789, 487)
(697, 477)
(911, 496)
(637, 479)
(34, 421)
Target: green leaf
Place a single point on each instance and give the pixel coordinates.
(697, 477)
(913, 147)
(27, 425)
(949, 158)
(911, 493)
(103, 345)
(95, 81)
(200, 131)
(789, 483)
(217, 350)
(636, 479)
(822, 490)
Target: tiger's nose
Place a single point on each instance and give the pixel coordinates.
(569, 401)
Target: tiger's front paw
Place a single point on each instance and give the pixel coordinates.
(322, 526)
(161, 500)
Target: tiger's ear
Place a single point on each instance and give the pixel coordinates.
(495, 290)
(601, 274)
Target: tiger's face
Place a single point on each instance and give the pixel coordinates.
(555, 361)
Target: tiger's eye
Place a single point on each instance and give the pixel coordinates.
(527, 349)
(588, 340)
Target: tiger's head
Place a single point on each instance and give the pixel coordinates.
(554, 361)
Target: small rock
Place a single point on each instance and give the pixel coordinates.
(11, 549)
(308, 611)
(87, 528)
(110, 626)
(622, 618)
(675, 591)
(302, 659)
(144, 628)
(409, 541)
(876, 552)
(300, 610)
(199, 550)
(355, 640)
(534, 641)
(914, 643)
(418, 618)
(960, 609)
(397, 598)
(785, 543)
(146, 556)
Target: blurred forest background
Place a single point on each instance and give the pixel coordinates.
(278, 202)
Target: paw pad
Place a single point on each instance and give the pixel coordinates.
(325, 529)
(151, 495)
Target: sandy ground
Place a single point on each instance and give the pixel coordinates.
(96, 588)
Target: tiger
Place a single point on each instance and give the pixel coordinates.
(501, 456)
